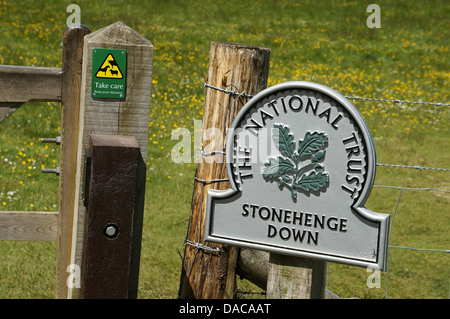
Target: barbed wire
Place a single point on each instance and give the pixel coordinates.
(400, 102)
(422, 249)
(230, 92)
(413, 188)
(419, 167)
(201, 246)
(354, 97)
(211, 180)
(414, 167)
(240, 293)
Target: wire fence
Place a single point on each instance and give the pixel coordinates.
(400, 189)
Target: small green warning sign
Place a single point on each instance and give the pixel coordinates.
(109, 67)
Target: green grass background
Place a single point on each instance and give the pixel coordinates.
(327, 42)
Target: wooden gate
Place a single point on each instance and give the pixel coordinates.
(87, 123)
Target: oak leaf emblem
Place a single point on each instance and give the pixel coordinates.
(299, 167)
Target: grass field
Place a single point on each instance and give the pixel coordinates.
(327, 42)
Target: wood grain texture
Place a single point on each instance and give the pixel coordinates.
(295, 278)
(254, 265)
(29, 226)
(114, 117)
(21, 84)
(129, 117)
(28, 84)
(8, 108)
(72, 60)
(239, 68)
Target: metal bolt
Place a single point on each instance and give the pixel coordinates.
(111, 231)
(56, 171)
(56, 140)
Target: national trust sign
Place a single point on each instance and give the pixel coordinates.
(301, 164)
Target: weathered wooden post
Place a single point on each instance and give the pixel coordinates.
(115, 100)
(254, 265)
(209, 271)
(295, 278)
(72, 62)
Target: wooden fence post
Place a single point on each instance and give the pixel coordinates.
(295, 278)
(239, 68)
(114, 116)
(254, 265)
(109, 220)
(72, 61)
